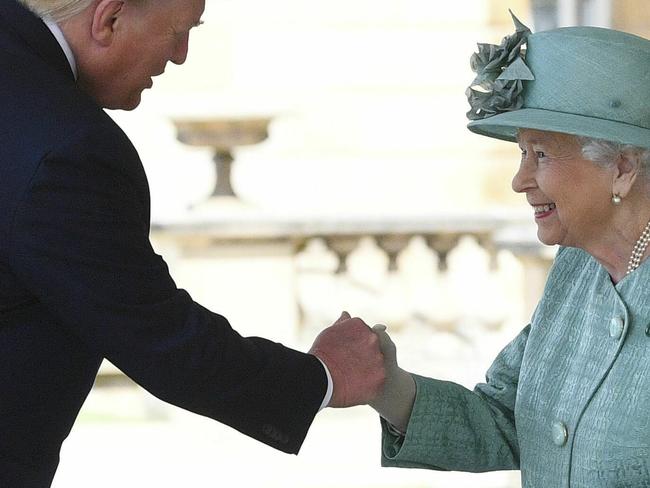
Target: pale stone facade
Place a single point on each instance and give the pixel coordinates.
(367, 139)
(632, 16)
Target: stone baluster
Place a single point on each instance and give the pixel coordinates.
(342, 246)
(487, 242)
(442, 244)
(393, 245)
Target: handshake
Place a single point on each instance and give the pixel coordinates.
(363, 364)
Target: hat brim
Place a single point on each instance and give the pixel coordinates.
(505, 125)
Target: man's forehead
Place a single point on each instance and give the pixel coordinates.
(187, 11)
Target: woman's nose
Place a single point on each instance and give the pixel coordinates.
(523, 179)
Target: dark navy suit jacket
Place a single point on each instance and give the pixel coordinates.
(79, 280)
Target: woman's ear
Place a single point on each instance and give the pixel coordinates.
(105, 16)
(627, 168)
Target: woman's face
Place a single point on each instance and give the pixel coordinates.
(570, 196)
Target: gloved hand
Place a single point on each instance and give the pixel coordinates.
(395, 401)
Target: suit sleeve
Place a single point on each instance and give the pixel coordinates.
(80, 243)
(453, 428)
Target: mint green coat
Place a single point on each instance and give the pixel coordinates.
(567, 401)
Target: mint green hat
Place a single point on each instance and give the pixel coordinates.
(585, 81)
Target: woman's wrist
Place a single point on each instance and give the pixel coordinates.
(395, 402)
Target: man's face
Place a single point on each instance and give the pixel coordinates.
(146, 38)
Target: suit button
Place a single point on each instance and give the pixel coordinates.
(616, 327)
(560, 433)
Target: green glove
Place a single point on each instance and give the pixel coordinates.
(395, 401)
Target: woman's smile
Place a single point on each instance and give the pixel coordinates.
(543, 210)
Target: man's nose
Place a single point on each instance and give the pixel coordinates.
(180, 50)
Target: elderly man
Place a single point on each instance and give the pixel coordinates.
(79, 280)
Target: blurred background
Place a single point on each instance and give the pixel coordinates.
(312, 157)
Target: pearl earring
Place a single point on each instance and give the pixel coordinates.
(616, 199)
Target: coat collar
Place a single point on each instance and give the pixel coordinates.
(33, 32)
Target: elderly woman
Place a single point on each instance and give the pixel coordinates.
(568, 400)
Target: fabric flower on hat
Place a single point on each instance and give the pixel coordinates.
(500, 71)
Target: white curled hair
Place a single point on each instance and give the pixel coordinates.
(56, 10)
(606, 152)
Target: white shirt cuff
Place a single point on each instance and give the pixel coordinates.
(330, 387)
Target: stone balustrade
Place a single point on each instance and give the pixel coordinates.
(447, 283)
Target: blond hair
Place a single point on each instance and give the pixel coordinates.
(56, 10)
(60, 10)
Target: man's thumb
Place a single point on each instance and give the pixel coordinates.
(344, 316)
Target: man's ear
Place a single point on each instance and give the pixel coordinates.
(106, 14)
(627, 168)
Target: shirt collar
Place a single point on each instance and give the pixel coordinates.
(58, 34)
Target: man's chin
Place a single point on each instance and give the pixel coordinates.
(128, 108)
(131, 104)
(126, 104)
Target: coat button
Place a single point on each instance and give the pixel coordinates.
(616, 327)
(560, 433)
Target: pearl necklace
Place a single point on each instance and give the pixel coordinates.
(639, 250)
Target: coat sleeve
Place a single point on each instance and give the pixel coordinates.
(79, 242)
(453, 428)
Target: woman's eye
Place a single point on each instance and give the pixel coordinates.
(523, 153)
(540, 154)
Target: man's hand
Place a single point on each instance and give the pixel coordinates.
(350, 349)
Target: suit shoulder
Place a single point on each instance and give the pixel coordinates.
(44, 108)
